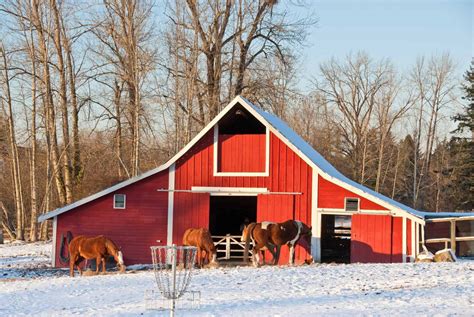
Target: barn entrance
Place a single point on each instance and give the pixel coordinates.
(228, 213)
(336, 238)
(227, 216)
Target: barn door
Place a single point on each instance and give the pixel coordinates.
(371, 238)
(191, 210)
(277, 208)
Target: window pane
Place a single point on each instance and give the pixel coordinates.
(352, 204)
(119, 201)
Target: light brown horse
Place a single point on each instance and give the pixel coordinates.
(98, 248)
(272, 235)
(202, 240)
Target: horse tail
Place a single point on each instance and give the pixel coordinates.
(64, 253)
(247, 238)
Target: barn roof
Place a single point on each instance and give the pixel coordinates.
(316, 160)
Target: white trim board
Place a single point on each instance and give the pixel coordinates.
(55, 238)
(171, 181)
(230, 191)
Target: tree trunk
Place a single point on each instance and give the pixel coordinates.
(16, 174)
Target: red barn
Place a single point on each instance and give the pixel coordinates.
(246, 164)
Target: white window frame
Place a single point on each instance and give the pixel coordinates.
(124, 201)
(267, 157)
(358, 204)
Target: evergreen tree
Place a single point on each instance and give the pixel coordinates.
(466, 119)
(462, 148)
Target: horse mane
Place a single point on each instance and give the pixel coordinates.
(112, 248)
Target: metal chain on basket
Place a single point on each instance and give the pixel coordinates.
(163, 258)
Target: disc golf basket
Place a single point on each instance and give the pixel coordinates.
(173, 267)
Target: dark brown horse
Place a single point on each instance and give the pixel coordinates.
(272, 235)
(202, 240)
(98, 248)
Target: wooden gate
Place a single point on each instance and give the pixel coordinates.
(230, 248)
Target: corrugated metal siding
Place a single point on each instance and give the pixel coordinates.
(241, 153)
(331, 195)
(288, 173)
(134, 229)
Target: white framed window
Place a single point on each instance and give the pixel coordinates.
(352, 204)
(119, 201)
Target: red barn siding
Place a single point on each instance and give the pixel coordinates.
(191, 210)
(288, 173)
(371, 238)
(397, 239)
(331, 195)
(134, 229)
(241, 153)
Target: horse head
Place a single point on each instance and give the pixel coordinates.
(115, 251)
(244, 233)
(305, 237)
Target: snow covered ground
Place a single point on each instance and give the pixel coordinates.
(28, 286)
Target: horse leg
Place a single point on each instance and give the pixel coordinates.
(292, 254)
(98, 262)
(205, 256)
(256, 257)
(199, 253)
(72, 261)
(274, 254)
(78, 262)
(277, 254)
(103, 265)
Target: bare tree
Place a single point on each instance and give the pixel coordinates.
(435, 86)
(16, 173)
(125, 33)
(353, 88)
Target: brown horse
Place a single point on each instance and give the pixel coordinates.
(202, 240)
(271, 236)
(98, 248)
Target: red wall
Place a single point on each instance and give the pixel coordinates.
(288, 173)
(134, 229)
(241, 153)
(378, 239)
(333, 196)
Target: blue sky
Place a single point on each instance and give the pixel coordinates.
(400, 30)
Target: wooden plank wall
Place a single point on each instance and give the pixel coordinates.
(241, 153)
(134, 229)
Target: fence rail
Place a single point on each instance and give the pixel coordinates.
(230, 247)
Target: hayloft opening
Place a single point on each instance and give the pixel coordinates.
(228, 213)
(336, 238)
(241, 143)
(240, 121)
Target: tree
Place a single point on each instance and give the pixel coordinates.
(353, 88)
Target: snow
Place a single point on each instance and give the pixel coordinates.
(329, 289)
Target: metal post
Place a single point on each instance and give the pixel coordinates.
(173, 270)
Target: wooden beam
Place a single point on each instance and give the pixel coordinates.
(453, 236)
